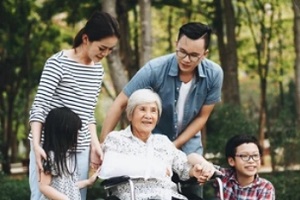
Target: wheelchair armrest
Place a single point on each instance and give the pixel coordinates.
(193, 180)
(111, 182)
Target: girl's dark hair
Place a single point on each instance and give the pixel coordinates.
(194, 31)
(60, 137)
(237, 140)
(99, 26)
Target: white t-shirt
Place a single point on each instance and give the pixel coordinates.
(183, 93)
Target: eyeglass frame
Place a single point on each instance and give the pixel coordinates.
(246, 158)
(189, 55)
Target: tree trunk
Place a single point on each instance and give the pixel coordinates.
(116, 67)
(262, 112)
(117, 70)
(129, 57)
(170, 25)
(296, 8)
(261, 27)
(145, 24)
(225, 24)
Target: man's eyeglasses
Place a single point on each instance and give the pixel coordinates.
(192, 56)
(255, 157)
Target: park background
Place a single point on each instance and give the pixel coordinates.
(256, 42)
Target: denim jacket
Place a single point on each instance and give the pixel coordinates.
(162, 75)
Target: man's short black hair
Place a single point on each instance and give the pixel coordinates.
(194, 31)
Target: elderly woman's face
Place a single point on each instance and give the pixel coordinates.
(144, 119)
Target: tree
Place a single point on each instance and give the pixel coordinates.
(116, 67)
(145, 24)
(22, 34)
(225, 24)
(296, 8)
(260, 18)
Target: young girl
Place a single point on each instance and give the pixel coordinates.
(59, 180)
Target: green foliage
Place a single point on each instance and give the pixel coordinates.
(77, 9)
(283, 133)
(226, 121)
(286, 184)
(14, 189)
(96, 191)
(26, 42)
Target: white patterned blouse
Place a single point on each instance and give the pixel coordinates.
(150, 165)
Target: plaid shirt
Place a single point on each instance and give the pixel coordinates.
(259, 189)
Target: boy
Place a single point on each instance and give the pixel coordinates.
(241, 181)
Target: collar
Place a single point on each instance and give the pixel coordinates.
(128, 133)
(255, 182)
(174, 67)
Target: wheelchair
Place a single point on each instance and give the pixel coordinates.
(110, 183)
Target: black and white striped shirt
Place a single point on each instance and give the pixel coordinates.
(65, 82)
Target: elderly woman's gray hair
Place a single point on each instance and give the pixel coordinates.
(142, 96)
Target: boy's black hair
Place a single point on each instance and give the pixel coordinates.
(237, 140)
(60, 137)
(194, 31)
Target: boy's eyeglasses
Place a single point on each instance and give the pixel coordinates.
(193, 57)
(255, 157)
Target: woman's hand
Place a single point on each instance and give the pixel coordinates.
(39, 155)
(96, 153)
(202, 173)
(96, 156)
(197, 171)
(208, 169)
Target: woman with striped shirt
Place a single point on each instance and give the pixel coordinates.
(72, 78)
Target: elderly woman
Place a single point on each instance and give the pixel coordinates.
(149, 159)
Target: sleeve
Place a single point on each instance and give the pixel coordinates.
(215, 87)
(92, 119)
(144, 78)
(51, 76)
(268, 192)
(180, 163)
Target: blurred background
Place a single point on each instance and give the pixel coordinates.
(256, 42)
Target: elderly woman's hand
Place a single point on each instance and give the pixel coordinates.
(208, 169)
(197, 172)
(203, 172)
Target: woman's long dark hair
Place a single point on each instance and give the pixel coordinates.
(99, 26)
(60, 137)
